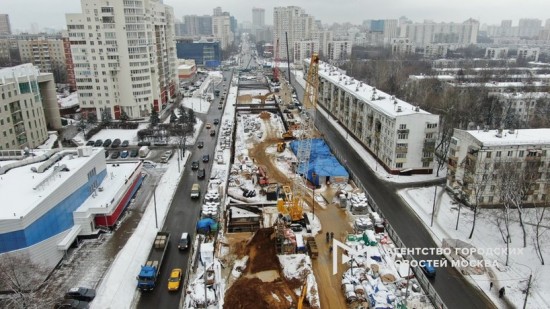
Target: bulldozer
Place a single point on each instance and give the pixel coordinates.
(288, 135)
(281, 147)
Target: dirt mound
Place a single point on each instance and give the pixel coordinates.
(248, 293)
(262, 252)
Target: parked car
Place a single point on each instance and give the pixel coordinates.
(98, 143)
(175, 279)
(80, 293)
(107, 142)
(124, 154)
(144, 144)
(149, 164)
(125, 143)
(184, 241)
(200, 144)
(116, 143)
(216, 121)
(90, 143)
(115, 155)
(195, 165)
(206, 158)
(106, 154)
(72, 304)
(134, 153)
(220, 106)
(161, 143)
(212, 132)
(208, 125)
(201, 173)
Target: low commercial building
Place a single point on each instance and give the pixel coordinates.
(401, 136)
(52, 197)
(478, 159)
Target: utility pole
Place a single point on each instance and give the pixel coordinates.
(155, 201)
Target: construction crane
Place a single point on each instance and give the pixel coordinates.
(295, 195)
(276, 62)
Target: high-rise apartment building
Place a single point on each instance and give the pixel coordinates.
(28, 107)
(221, 29)
(529, 28)
(48, 54)
(296, 24)
(258, 17)
(198, 25)
(124, 56)
(5, 27)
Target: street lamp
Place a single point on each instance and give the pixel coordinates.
(313, 178)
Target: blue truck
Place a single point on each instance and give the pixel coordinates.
(149, 272)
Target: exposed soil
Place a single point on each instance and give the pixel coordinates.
(250, 291)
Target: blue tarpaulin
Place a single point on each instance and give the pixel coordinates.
(321, 161)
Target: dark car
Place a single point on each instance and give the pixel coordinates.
(134, 153)
(106, 153)
(212, 132)
(200, 144)
(115, 155)
(195, 165)
(201, 173)
(72, 304)
(98, 143)
(144, 144)
(80, 293)
(107, 142)
(125, 143)
(90, 143)
(220, 106)
(124, 154)
(296, 227)
(116, 143)
(216, 121)
(205, 158)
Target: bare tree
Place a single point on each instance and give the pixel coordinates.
(477, 175)
(540, 229)
(22, 280)
(505, 184)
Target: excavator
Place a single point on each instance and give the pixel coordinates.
(281, 146)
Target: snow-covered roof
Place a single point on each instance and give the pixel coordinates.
(522, 95)
(69, 101)
(383, 102)
(519, 137)
(116, 177)
(22, 189)
(27, 69)
(185, 66)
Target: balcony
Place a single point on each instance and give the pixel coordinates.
(401, 149)
(403, 131)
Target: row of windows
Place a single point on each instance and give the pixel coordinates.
(521, 153)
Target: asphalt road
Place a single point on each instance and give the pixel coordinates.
(453, 289)
(183, 214)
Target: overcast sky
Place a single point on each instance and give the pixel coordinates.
(51, 13)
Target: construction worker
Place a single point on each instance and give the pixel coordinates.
(331, 235)
(330, 249)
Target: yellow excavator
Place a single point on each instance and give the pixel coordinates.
(281, 147)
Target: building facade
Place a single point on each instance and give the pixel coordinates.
(221, 29)
(339, 50)
(258, 17)
(294, 23)
(28, 107)
(48, 54)
(204, 52)
(431, 32)
(198, 25)
(124, 56)
(402, 137)
(480, 161)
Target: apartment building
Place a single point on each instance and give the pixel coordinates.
(48, 54)
(339, 50)
(221, 29)
(522, 107)
(5, 26)
(198, 25)
(304, 49)
(28, 107)
(401, 136)
(124, 56)
(496, 52)
(294, 23)
(402, 46)
(431, 32)
(479, 160)
(528, 54)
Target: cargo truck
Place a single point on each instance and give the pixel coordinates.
(149, 272)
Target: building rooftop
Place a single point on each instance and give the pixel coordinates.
(68, 101)
(518, 137)
(117, 175)
(18, 71)
(22, 189)
(378, 99)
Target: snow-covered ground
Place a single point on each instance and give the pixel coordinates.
(198, 105)
(523, 261)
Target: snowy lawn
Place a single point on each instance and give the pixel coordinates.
(522, 263)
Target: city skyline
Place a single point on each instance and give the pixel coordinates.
(487, 12)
